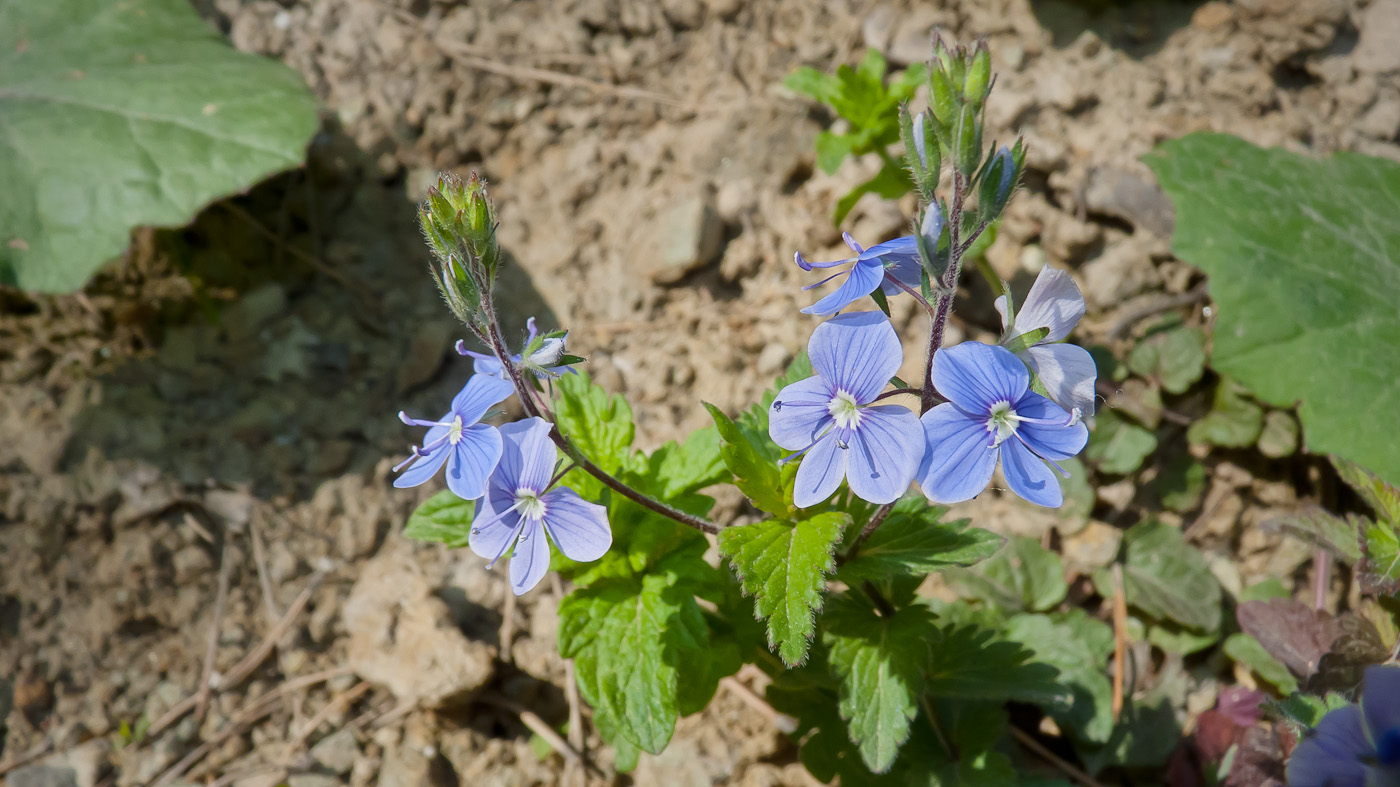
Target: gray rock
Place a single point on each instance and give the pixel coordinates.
(337, 752)
(1124, 195)
(685, 236)
(313, 780)
(43, 776)
(429, 345)
(1382, 120)
(1379, 25)
(248, 317)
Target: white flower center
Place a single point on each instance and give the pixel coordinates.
(1003, 419)
(454, 432)
(530, 505)
(844, 409)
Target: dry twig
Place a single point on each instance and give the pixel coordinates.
(541, 728)
(1049, 756)
(785, 723)
(201, 702)
(337, 702)
(1120, 639)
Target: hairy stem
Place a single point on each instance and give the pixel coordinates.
(943, 304)
(915, 294)
(877, 517)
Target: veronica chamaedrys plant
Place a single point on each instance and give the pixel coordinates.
(832, 418)
(1036, 334)
(522, 506)
(992, 413)
(542, 361)
(1356, 745)
(468, 448)
(890, 267)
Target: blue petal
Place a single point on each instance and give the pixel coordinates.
(424, 467)
(884, 454)
(472, 460)
(480, 394)
(861, 280)
(958, 461)
(531, 559)
(1380, 702)
(820, 473)
(1029, 476)
(491, 535)
(579, 528)
(1053, 441)
(799, 413)
(1332, 757)
(484, 363)
(1054, 302)
(857, 353)
(975, 376)
(1068, 373)
(527, 456)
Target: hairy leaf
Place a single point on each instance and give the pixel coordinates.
(972, 663)
(1080, 648)
(1166, 578)
(784, 565)
(754, 471)
(598, 423)
(913, 542)
(118, 115)
(1303, 256)
(443, 518)
(1294, 633)
(1383, 498)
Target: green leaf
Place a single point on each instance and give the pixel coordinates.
(1182, 484)
(1383, 498)
(912, 542)
(681, 469)
(631, 640)
(598, 423)
(832, 149)
(1166, 578)
(1303, 256)
(891, 182)
(1176, 639)
(1233, 421)
(814, 84)
(1381, 568)
(783, 565)
(1146, 735)
(1116, 445)
(1247, 651)
(878, 662)
(443, 518)
(1176, 357)
(118, 115)
(972, 663)
(754, 471)
(1279, 437)
(1023, 575)
(1326, 530)
(1079, 647)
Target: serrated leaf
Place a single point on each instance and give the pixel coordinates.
(1233, 421)
(1380, 569)
(972, 663)
(118, 115)
(1116, 445)
(680, 469)
(1080, 648)
(1166, 578)
(754, 472)
(784, 565)
(1326, 530)
(832, 149)
(598, 423)
(1023, 575)
(443, 518)
(912, 542)
(1383, 498)
(878, 663)
(1247, 651)
(1303, 256)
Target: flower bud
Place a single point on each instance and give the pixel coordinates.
(940, 95)
(931, 227)
(921, 149)
(979, 76)
(997, 184)
(967, 137)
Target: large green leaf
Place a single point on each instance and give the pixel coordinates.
(443, 518)
(1166, 578)
(115, 115)
(912, 542)
(1023, 575)
(598, 423)
(973, 663)
(1303, 256)
(783, 565)
(1079, 647)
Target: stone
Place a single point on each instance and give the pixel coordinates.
(1379, 27)
(234, 506)
(429, 345)
(1124, 195)
(1211, 15)
(402, 635)
(683, 237)
(1382, 120)
(313, 780)
(247, 318)
(773, 359)
(337, 752)
(1094, 546)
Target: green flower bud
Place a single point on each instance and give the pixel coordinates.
(967, 136)
(940, 95)
(979, 76)
(921, 150)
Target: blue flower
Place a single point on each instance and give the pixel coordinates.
(1066, 370)
(1356, 745)
(898, 258)
(541, 362)
(469, 449)
(830, 417)
(991, 413)
(520, 509)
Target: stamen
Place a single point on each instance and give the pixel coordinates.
(823, 281)
(807, 265)
(777, 405)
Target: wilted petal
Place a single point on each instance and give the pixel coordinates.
(424, 467)
(861, 280)
(527, 456)
(1068, 373)
(579, 528)
(491, 534)
(799, 413)
(1052, 440)
(481, 393)
(531, 559)
(1000, 304)
(958, 460)
(1380, 703)
(884, 454)
(1054, 302)
(1332, 756)
(472, 460)
(1029, 476)
(820, 473)
(975, 376)
(857, 353)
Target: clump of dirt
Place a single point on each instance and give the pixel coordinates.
(195, 452)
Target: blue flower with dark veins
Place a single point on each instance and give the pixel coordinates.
(469, 449)
(1357, 745)
(832, 418)
(1054, 305)
(520, 509)
(992, 414)
(875, 267)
